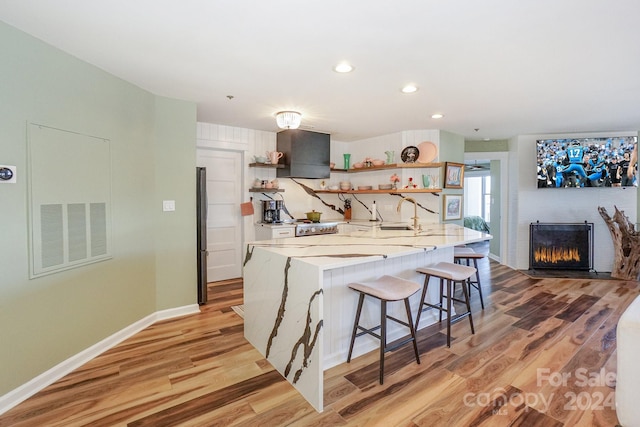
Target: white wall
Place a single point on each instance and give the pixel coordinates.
(524, 203)
(529, 204)
(251, 142)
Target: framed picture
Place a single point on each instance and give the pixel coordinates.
(452, 206)
(454, 175)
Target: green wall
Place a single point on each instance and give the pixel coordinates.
(495, 224)
(46, 320)
(175, 171)
(486, 146)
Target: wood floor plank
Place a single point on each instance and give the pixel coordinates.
(576, 308)
(327, 418)
(506, 300)
(188, 410)
(588, 360)
(557, 353)
(276, 394)
(227, 415)
(534, 303)
(490, 328)
(198, 370)
(377, 407)
(541, 314)
(280, 415)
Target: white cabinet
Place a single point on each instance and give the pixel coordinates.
(275, 231)
(350, 227)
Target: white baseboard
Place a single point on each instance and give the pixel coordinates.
(170, 313)
(28, 389)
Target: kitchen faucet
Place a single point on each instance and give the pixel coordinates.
(415, 218)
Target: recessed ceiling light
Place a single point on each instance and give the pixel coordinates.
(437, 116)
(411, 88)
(343, 67)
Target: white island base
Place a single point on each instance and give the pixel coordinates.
(299, 311)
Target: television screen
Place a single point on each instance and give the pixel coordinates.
(586, 162)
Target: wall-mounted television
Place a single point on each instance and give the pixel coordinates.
(586, 162)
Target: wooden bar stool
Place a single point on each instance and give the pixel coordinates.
(452, 273)
(461, 254)
(385, 289)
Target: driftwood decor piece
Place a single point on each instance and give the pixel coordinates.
(626, 245)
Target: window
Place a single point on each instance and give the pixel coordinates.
(477, 196)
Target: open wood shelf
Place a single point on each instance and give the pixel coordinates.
(397, 191)
(266, 190)
(266, 165)
(390, 166)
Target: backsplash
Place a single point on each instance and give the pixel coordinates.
(299, 194)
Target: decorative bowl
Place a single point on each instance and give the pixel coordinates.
(334, 187)
(364, 187)
(358, 165)
(384, 187)
(377, 162)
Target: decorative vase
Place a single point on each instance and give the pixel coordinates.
(425, 181)
(347, 158)
(390, 157)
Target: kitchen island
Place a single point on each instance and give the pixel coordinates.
(299, 311)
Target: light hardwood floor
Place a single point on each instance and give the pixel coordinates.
(198, 370)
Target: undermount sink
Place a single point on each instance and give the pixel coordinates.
(395, 227)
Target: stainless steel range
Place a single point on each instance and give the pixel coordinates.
(315, 228)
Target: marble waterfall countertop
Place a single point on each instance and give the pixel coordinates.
(298, 306)
(335, 250)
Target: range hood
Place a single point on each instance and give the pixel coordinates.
(306, 154)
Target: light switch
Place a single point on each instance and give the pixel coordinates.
(168, 205)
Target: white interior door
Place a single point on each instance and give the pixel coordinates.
(224, 222)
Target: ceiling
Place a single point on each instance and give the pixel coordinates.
(494, 68)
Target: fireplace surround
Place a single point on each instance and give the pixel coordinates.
(561, 246)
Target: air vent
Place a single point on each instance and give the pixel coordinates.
(52, 241)
(69, 199)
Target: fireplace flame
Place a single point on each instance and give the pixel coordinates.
(556, 255)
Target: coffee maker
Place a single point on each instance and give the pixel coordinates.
(271, 211)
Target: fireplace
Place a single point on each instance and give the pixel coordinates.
(563, 246)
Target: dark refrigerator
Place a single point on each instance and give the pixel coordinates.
(201, 213)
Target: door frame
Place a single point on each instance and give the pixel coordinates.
(503, 157)
(243, 174)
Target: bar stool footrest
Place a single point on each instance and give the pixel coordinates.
(458, 300)
(435, 306)
(366, 331)
(402, 322)
(460, 316)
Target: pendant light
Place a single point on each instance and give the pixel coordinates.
(288, 119)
